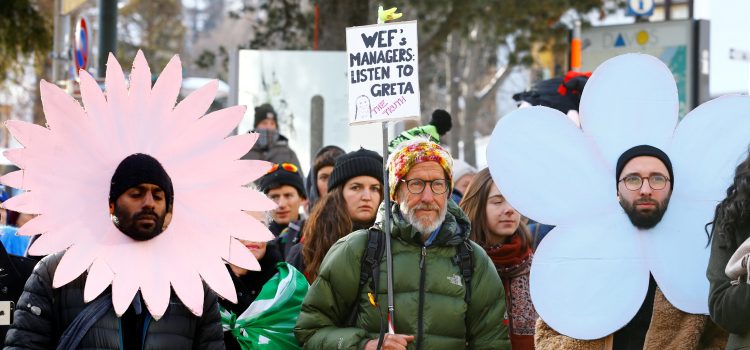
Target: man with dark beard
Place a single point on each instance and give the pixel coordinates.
(644, 180)
(644, 184)
(140, 203)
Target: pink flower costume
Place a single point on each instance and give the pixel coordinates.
(67, 167)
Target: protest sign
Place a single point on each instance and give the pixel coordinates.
(383, 72)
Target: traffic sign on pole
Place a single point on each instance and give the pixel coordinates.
(640, 8)
(81, 48)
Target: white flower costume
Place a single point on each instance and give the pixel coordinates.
(67, 168)
(590, 274)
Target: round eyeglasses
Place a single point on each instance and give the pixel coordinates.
(635, 182)
(416, 186)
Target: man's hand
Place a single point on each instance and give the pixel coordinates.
(391, 342)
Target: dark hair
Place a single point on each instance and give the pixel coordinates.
(328, 222)
(474, 203)
(732, 213)
(327, 158)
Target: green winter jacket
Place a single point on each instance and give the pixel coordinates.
(445, 321)
(728, 304)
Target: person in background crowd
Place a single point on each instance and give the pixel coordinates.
(441, 302)
(15, 268)
(140, 202)
(9, 238)
(284, 185)
(440, 123)
(316, 183)
(729, 295)
(246, 325)
(355, 193)
(497, 228)
(271, 146)
(463, 173)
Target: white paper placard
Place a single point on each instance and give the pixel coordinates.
(383, 72)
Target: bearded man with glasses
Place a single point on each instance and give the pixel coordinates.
(644, 184)
(441, 301)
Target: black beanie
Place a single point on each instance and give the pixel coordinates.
(282, 177)
(138, 169)
(362, 162)
(263, 112)
(643, 150)
(441, 120)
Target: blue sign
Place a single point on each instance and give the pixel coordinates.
(642, 8)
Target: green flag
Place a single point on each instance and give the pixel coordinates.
(268, 322)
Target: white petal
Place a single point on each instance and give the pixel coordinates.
(629, 100)
(588, 281)
(547, 169)
(708, 145)
(677, 252)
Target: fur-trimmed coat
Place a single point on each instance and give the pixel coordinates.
(670, 329)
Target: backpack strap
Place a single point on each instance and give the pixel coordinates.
(465, 264)
(86, 319)
(370, 266)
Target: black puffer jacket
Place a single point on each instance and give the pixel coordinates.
(43, 314)
(14, 270)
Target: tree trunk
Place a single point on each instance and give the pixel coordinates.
(453, 80)
(335, 16)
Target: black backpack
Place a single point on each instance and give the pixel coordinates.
(373, 254)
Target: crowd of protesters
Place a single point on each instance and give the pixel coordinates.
(462, 257)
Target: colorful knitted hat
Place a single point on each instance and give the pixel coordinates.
(413, 152)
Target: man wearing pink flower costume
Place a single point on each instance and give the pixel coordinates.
(140, 203)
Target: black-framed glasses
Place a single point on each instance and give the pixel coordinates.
(635, 182)
(416, 186)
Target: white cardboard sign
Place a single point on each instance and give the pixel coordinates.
(383, 73)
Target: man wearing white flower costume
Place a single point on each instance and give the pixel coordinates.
(591, 274)
(174, 185)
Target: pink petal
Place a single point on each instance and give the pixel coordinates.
(49, 243)
(98, 279)
(251, 169)
(189, 288)
(14, 179)
(75, 261)
(63, 113)
(240, 256)
(39, 224)
(156, 292)
(24, 203)
(140, 79)
(167, 88)
(246, 227)
(29, 134)
(124, 287)
(196, 104)
(92, 96)
(236, 146)
(217, 277)
(17, 156)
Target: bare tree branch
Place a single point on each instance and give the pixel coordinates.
(489, 90)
